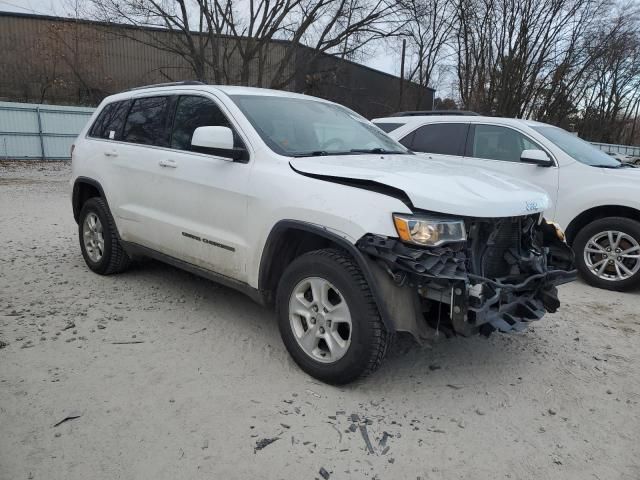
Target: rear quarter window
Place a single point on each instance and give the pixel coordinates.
(387, 126)
(439, 138)
(110, 120)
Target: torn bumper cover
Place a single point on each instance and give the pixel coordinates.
(503, 277)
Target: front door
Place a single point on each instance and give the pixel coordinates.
(204, 196)
(498, 148)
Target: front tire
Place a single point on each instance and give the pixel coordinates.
(99, 240)
(328, 318)
(608, 253)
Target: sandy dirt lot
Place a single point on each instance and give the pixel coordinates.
(206, 381)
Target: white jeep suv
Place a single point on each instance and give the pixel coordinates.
(305, 205)
(595, 198)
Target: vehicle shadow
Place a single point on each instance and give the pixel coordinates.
(456, 361)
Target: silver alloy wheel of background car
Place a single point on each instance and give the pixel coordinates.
(612, 255)
(320, 319)
(93, 238)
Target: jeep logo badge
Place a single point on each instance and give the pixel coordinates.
(531, 206)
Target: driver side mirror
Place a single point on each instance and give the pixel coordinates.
(217, 141)
(536, 157)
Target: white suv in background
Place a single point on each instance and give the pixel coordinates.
(305, 205)
(595, 198)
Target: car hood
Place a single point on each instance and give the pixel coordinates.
(433, 185)
(629, 173)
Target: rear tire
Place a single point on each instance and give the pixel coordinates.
(99, 240)
(314, 326)
(607, 262)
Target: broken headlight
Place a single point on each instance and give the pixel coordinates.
(559, 232)
(432, 232)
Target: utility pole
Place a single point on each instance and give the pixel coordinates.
(404, 49)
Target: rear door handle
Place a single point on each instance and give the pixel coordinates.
(168, 163)
(110, 153)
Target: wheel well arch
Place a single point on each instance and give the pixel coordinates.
(597, 213)
(84, 189)
(289, 239)
(286, 242)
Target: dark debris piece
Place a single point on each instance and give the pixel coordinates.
(383, 440)
(69, 325)
(367, 441)
(260, 444)
(324, 474)
(67, 418)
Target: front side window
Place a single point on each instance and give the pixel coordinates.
(193, 112)
(440, 138)
(577, 148)
(147, 122)
(298, 127)
(110, 121)
(494, 142)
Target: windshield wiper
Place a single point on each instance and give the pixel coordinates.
(375, 150)
(620, 165)
(322, 153)
(315, 153)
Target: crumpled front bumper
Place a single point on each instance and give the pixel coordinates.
(474, 303)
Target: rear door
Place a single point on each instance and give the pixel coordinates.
(498, 148)
(438, 141)
(145, 134)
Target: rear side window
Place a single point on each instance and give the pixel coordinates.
(110, 121)
(147, 122)
(388, 127)
(193, 112)
(440, 138)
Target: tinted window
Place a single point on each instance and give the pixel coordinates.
(388, 127)
(500, 143)
(110, 121)
(193, 112)
(441, 138)
(576, 148)
(146, 122)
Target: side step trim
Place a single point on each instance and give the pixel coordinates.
(133, 250)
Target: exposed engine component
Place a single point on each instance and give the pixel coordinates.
(503, 277)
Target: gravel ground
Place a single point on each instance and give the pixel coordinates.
(158, 374)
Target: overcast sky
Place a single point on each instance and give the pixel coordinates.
(381, 61)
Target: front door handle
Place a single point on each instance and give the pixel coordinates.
(168, 163)
(110, 153)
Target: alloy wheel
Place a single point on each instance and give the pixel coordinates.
(612, 255)
(320, 319)
(92, 237)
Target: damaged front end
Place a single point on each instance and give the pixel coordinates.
(501, 278)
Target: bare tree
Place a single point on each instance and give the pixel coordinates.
(612, 93)
(427, 27)
(510, 50)
(227, 41)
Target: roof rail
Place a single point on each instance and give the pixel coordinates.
(169, 84)
(420, 113)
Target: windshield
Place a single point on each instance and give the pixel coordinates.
(298, 127)
(577, 148)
